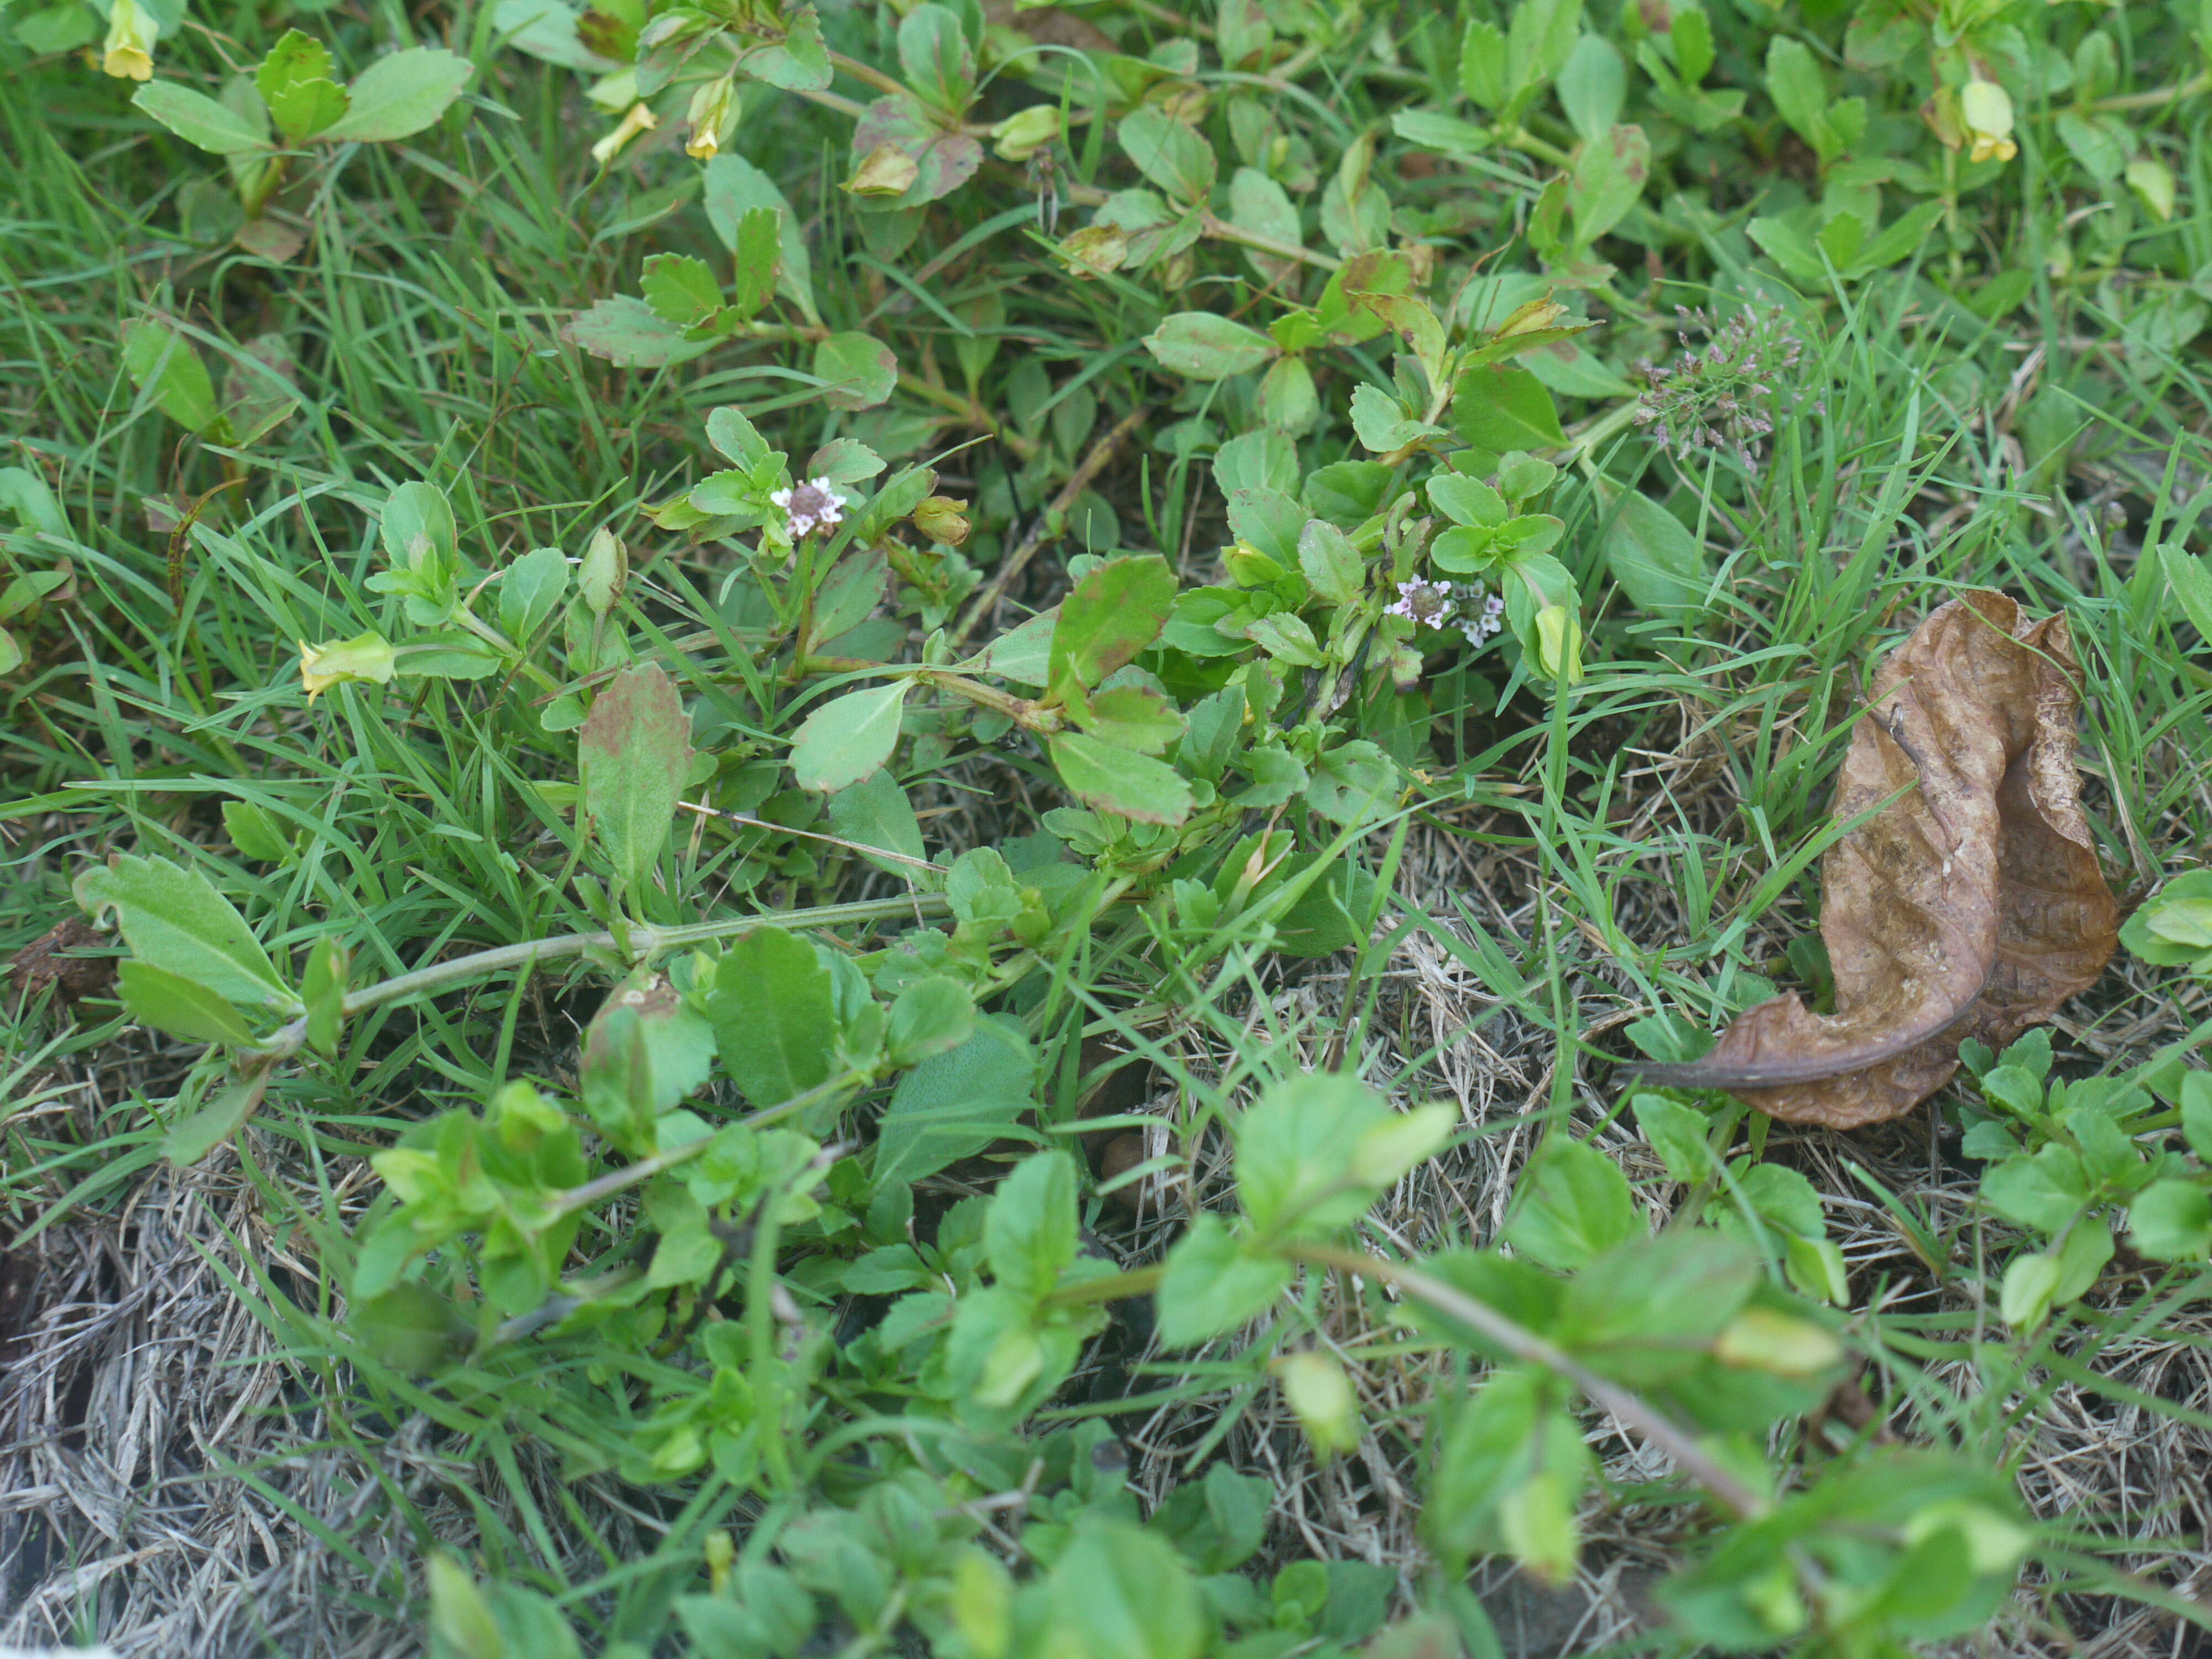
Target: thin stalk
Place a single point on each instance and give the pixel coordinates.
(1525, 1345)
(641, 942)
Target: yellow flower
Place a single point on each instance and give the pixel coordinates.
(1986, 109)
(130, 48)
(368, 660)
(713, 118)
(640, 120)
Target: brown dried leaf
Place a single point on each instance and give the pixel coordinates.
(1971, 905)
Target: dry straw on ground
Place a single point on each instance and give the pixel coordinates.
(173, 1483)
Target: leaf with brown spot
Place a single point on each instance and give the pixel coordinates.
(1970, 906)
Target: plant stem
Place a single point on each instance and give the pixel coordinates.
(643, 942)
(1524, 1345)
(1221, 231)
(2159, 95)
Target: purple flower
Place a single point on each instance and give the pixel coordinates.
(811, 506)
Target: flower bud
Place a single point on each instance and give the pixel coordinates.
(943, 519)
(604, 572)
(368, 660)
(130, 46)
(885, 171)
(713, 118)
(1559, 644)
(1021, 136)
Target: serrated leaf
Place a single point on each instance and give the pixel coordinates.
(681, 289)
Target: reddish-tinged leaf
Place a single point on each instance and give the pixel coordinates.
(634, 752)
(1971, 907)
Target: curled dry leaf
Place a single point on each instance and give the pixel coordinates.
(1970, 906)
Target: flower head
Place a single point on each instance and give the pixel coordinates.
(1427, 604)
(1728, 396)
(713, 118)
(811, 506)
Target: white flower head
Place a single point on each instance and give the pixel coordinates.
(1420, 600)
(811, 506)
(1480, 625)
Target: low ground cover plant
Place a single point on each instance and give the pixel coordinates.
(1116, 830)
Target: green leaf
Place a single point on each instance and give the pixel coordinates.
(1120, 1592)
(1608, 178)
(933, 1015)
(2043, 1192)
(1212, 1284)
(192, 1139)
(847, 737)
(1593, 86)
(1353, 782)
(199, 120)
(1659, 564)
(530, 592)
(1503, 408)
(1199, 345)
(295, 81)
(627, 333)
(1679, 1134)
(1029, 1234)
(734, 187)
(170, 1002)
(397, 97)
(1329, 563)
(1901, 239)
(1574, 1206)
(1482, 67)
(173, 920)
(164, 365)
(875, 812)
(857, 372)
(953, 1106)
(1800, 92)
(2190, 579)
(324, 989)
(1119, 781)
(774, 1016)
(681, 289)
(1296, 1147)
(1539, 42)
(759, 259)
(1168, 152)
(2171, 1221)
(2029, 1282)
(934, 56)
(1115, 611)
(1132, 717)
(635, 753)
